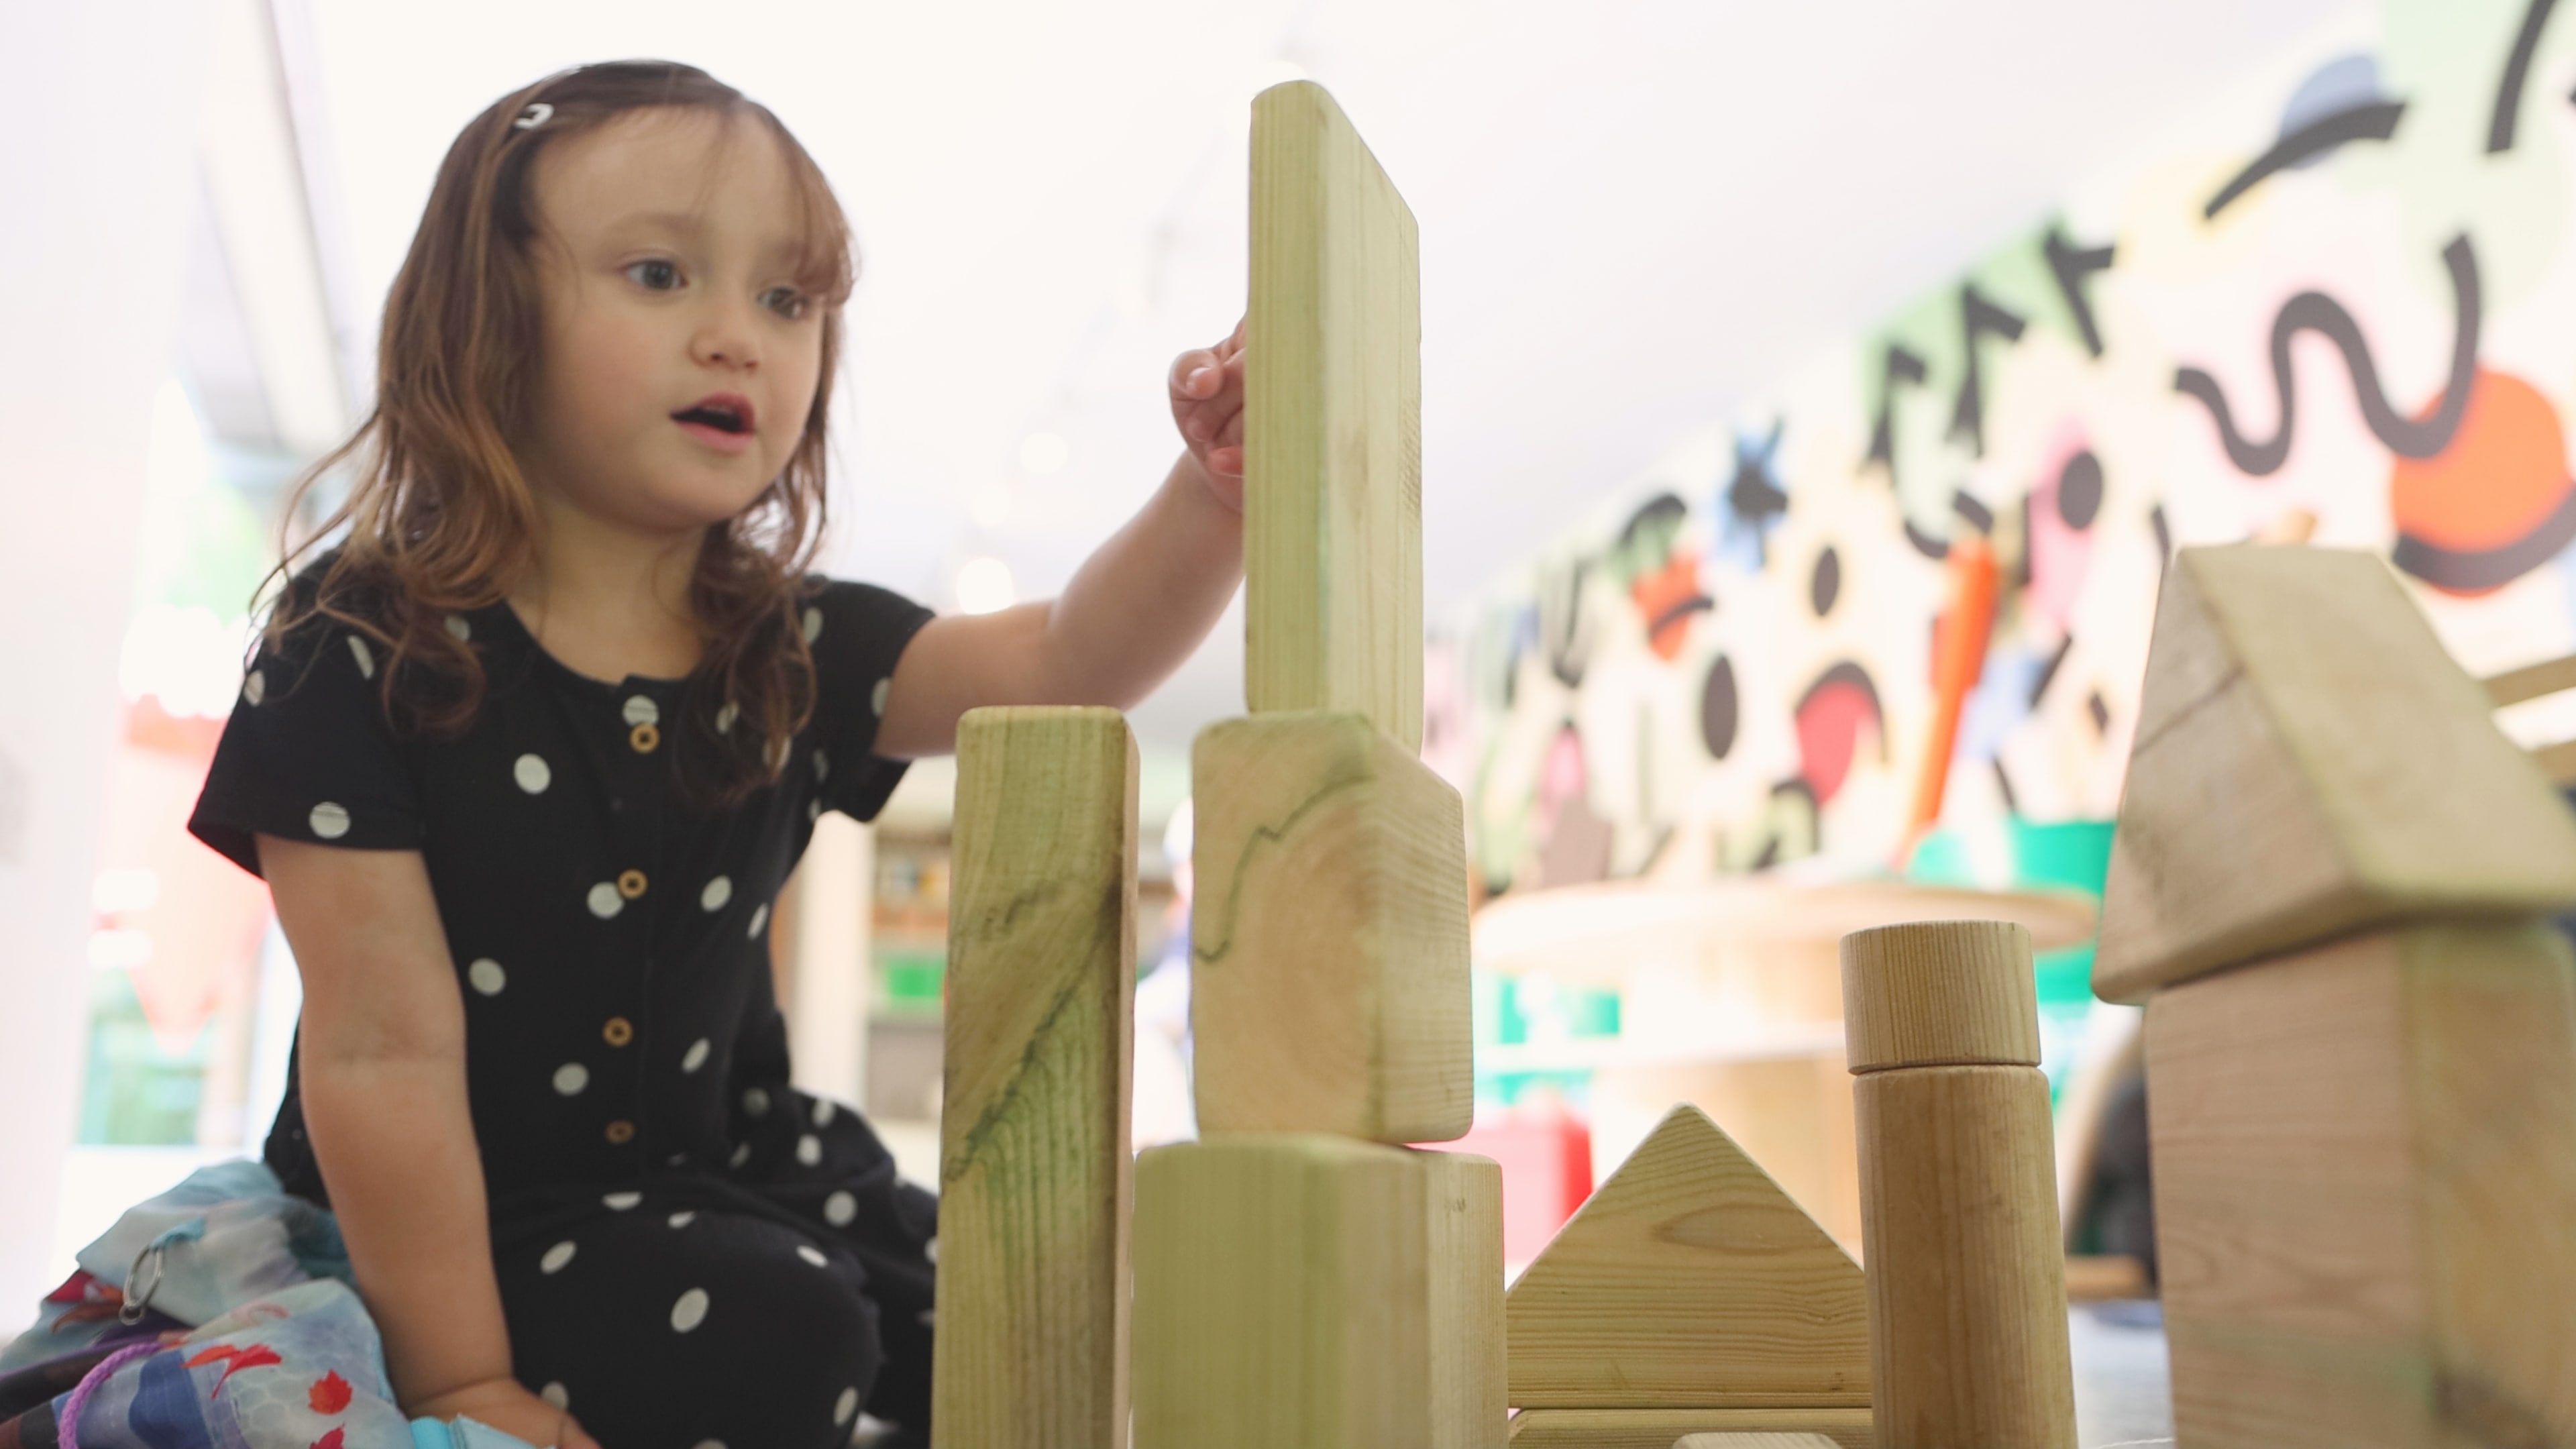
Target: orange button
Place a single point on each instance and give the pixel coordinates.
(621, 1132)
(619, 1031)
(645, 738)
(630, 884)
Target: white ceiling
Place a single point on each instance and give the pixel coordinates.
(1632, 213)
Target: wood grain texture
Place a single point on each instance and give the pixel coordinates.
(1689, 1280)
(1299, 1291)
(2310, 762)
(1034, 1165)
(1462, 1198)
(1967, 1282)
(1667, 1428)
(1754, 1441)
(1933, 993)
(1329, 941)
(2365, 1179)
(1332, 424)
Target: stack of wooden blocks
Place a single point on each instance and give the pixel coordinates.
(2330, 886)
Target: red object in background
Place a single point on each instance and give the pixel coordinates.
(1546, 1157)
(206, 915)
(1959, 656)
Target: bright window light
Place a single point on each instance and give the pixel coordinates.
(1044, 453)
(984, 586)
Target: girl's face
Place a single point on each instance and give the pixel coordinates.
(680, 354)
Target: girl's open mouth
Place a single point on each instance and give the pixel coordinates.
(722, 421)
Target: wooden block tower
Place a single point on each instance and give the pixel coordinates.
(2329, 885)
(1303, 1280)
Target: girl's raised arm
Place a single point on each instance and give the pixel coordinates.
(383, 1069)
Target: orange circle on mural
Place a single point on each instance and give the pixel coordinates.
(2503, 476)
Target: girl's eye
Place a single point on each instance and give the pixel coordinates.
(787, 302)
(656, 275)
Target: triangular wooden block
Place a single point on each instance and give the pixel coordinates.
(2310, 762)
(1689, 1280)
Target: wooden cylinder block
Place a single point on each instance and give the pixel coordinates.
(1967, 1282)
(1934, 993)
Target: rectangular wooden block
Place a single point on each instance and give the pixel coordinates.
(1329, 936)
(1298, 1291)
(2365, 1179)
(2310, 762)
(1332, 424)
(1035, 1172)
(1667, 1428)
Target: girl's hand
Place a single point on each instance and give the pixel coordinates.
(1207, 404)
(510, 1408)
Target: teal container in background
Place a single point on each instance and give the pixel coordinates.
(2071, 855)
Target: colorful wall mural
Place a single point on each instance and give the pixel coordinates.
(2338, 309)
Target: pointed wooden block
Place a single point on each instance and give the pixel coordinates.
(1328, 948)
(1332, 424)
(2310, 762)
(1034, 1172)
(1689, 1280)
(1672, 1428)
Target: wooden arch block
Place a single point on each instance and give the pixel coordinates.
(1034, 1171)
(1332, 424)
(2310, 762)
(1689, 1280)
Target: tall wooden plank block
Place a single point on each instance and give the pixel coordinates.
(1958, 1188)
(1332, 424)
(1689, 1280)
(2309, 762)
(1329, 935)
(1035, 1172)
(1299, 1291)
(2365, 1188)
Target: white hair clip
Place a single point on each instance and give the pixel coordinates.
(537, 114)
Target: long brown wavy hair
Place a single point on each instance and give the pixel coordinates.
(439, 518)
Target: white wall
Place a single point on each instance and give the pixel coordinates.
(99, 114)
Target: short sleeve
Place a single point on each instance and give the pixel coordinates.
(858, 633)
(307, 753)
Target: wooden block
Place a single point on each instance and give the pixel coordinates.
(1754, 1441)
(1298, 1291)
(1958, 1189)
(1670, 1428)
(1034, 1166)
(2309, 762)
(1690, 1280)
(1332, 424)
(1329, 941)
(2365, 1179)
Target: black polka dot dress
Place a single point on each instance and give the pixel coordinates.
(691, 1252)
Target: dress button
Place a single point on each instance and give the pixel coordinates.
(630, 884)
(621, 1132)
(619, 1031)
(645, 738)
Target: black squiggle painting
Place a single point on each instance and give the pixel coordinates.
(2319, 313)
(2517, 67)
(2376, 121)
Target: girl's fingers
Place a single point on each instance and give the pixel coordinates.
(1225, 462)
(1196, 375)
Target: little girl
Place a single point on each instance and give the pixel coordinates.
(526, 758)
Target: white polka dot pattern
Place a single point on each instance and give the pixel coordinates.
(741, 1155)
(822, 767)
(682, 1220)
(930, 1251)
(486, 976)
(725, 718)
(844, 1407)
(570, 1078)
(533, 773)
(813, 1255)
(759, 918)
(365, 656)
(618, 1202)
(839, 1208)
(605, 901)
(877, 696)
(329, 820)
(809, 1149)
(690, 1311)
(813, 810)
(458, 629)
(929, 1318)
(557, 1395)
(755, 1102)
(641, 710)
(813, 625)
(696, 1056)
(556, 1256)
(255, 687)
(718, 891)
(823, 1110)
